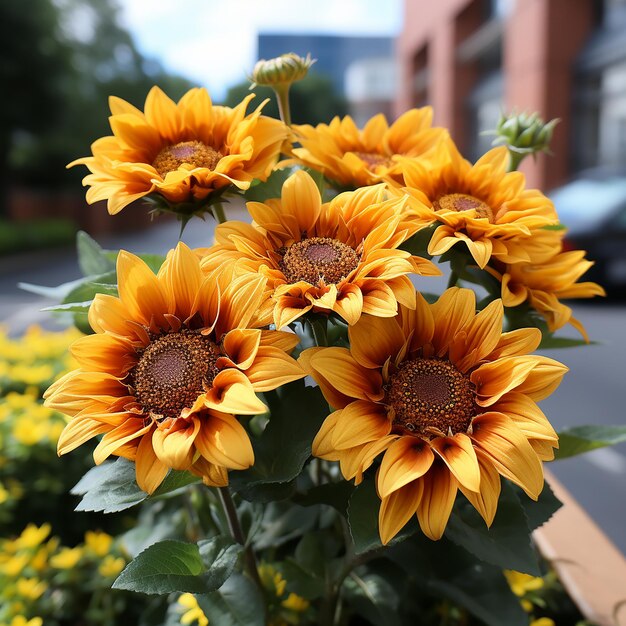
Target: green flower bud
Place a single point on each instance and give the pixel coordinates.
(283, 70)
(524, 133)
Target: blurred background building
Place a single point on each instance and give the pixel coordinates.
(471, 59)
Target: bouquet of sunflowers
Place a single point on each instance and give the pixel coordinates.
(348, 446)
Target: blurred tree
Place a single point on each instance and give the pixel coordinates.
(314, 99)
(61, 59)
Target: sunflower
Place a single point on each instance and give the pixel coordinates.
(449, 402)
(339, 256)
(182, 151)
(480, 205)
(174, 358)
(544, 284)
(355, 157)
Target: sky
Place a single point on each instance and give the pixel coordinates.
(213, 42)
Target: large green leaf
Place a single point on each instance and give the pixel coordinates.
(582, 439)
(507, 544)
(455, 575)
(363, 519)
(373, 597)
(281, 451)
(238, 602)
(271, 188)
(170, 566)
(164, 567)
(539, 512)
(92, 259)
(111, 487)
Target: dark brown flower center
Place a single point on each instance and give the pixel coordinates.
(463, 202)
(193, 153)
(318, 258)
(373, 159)
(173, 371)
(430, 397)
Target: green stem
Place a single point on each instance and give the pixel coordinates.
(218, 212)
(319, 328)
(282, 96)
(237, 533)
(515, 159)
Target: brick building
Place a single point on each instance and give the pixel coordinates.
(562, 58)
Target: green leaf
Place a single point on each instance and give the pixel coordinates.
(582, 439)
(550, 342)
(70, 307)
(418, 243)
(297, 412)
(538, 513)
(455, 575)
(111, 487)
(90, 286)
(507, 544)
(488, 597)
(237, 603)
(164, 567)
(336, 495)
(219, 555)
(374, 598)
(271, 188)
(92, 259)
(363, 519)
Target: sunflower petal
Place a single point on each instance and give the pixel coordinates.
(397, 509)
(223, 441)
(508, 451)
(439, 492)
(406, 459)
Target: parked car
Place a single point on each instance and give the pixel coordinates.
(594, 211)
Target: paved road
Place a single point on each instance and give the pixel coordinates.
(593, 392)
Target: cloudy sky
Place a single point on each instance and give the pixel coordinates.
(213, 42)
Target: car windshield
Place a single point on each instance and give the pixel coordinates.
(584, 203)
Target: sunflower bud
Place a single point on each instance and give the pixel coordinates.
(523, 134)
(285, 69)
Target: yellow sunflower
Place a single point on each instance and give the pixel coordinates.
(544, 284)
(174, 358)
(447, 399)
(339, 256)
(481, 205)
(183, 151)
(355, 157)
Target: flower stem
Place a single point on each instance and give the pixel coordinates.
(218, 212)
(282, 96)
(319, 328)
(237, 533)
(515, 159)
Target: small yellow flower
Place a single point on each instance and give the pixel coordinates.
(193, 613)
(296, 603)
(272, 579)
(66, 558)
(31, 588)
(27, 432)
(4, 494)
(14, 565)
(32, 536)
(521, 584)
(542, 621)
(111, 566)
(98, 542)
(20, 620)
